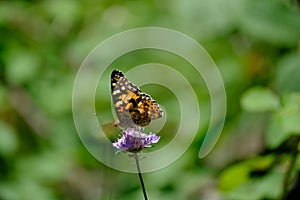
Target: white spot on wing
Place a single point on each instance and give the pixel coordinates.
(116, 92)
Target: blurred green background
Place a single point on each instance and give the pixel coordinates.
(254, 43)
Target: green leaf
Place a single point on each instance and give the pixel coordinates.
(260, 99)
(55, 98)
(234, 176)
(266, 187)
(22, 66)
(8, 139)
(290, 114)
(3, 98)
(26, 189)
(212, 17)
(285, 121)
(269, 21)
(238, 174)
(47, 167)
(71, 10)
(287, 73)
(275, 134)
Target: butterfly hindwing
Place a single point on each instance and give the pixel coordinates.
(133, 108)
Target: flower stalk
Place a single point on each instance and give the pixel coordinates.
(140, 176)
(133, 141)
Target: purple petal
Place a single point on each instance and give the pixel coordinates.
(133, 140)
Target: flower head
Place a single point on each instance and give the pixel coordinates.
(133, 140)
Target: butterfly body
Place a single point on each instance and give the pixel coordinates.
(133, 107)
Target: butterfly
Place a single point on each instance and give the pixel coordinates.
(133, 108)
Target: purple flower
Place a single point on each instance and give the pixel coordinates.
(133, 140)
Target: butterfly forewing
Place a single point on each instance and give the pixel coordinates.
(133, 108)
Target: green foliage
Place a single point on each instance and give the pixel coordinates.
(238, 182)
(268, 186)
(8, 140)
(285, 121)
(255, 45)
(260, 99)
(287, 71)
